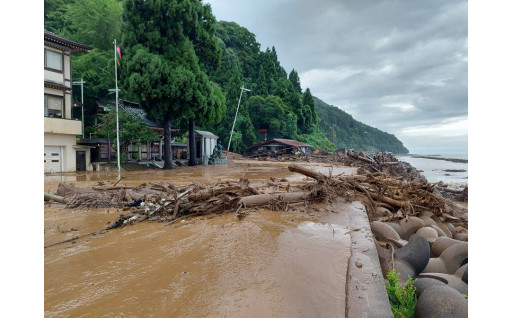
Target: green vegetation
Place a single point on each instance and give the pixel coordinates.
(402, 299)
(131, 128)
(169, 46)
(183, 66)
(346, 132)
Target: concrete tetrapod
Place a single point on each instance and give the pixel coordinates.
(416, 253)
(424, 283)
(410, 226)
(446, 230)
(441, 301)
(450, 259)
(383, 231)
(409, 260)
(428, 232)
(450, 280)
(442, 243)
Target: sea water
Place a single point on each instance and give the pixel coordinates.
(439, 169)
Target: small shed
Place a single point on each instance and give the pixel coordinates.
(278, 147)
(205, 143)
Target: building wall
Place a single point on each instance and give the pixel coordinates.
(67, 144)
(62, 132)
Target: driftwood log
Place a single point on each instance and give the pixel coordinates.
(54, 197)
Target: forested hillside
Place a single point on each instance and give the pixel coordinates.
(346, 132)
(276, 103)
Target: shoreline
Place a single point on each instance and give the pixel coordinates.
(438, 158)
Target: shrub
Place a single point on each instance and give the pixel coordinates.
(402, 299)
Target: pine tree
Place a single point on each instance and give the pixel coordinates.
(295, 80)
(169, 47)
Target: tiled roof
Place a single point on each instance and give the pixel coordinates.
(287, 142)
(59, 41)
(136, 111)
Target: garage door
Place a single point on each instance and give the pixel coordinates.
(52, 159)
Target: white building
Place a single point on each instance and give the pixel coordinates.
(60, 129)
(205, 143)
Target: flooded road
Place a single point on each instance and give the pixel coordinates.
(269, 264)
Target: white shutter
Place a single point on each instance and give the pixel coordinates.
(52, 159)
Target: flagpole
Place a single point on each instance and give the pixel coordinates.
(117, 111)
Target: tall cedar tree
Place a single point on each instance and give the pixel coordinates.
(169, 46)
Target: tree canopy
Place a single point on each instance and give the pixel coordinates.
(182, 65)
(169, 47)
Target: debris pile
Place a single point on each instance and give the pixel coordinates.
(368, 163)
(387, 197)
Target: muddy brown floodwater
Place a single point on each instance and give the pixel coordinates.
(269, 264)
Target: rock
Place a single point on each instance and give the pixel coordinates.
(441, 301)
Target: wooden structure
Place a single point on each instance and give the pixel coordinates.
(275, 147)
(143, 150)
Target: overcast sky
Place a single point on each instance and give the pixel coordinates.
(400, 66)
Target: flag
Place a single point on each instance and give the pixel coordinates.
(119, 58)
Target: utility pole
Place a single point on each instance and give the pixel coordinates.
(117, 111)
(242, 89)
(81, 83)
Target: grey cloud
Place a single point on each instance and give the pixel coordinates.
(365, 55)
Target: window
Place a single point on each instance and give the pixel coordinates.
(53, 106)
(53, 60)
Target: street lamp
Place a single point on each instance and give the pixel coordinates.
(81, 83)
(242, 89)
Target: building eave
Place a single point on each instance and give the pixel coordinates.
(58, 86)
(56, 41)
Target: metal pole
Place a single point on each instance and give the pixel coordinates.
(83, 120)
(117, 112)
(242, 89)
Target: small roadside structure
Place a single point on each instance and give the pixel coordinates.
(205, 144)
(277, 146)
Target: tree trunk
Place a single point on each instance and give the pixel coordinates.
(192, 143)
(167, 144)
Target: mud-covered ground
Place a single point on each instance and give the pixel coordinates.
(267, 264)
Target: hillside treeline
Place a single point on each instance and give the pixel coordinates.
(276, 104)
